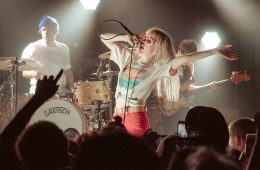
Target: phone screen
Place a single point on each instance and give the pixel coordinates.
(250, 141)
(181, 130)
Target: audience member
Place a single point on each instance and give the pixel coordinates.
(152, 139)
(115, 126)
(245, 155)
(43, 145)
(207, 126)
(168, 146)
(116, 151)
(84, 137)
(238, 129)
(178, 159)
(254, 163)
(208, 159)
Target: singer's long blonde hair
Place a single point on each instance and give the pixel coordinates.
(166, 86)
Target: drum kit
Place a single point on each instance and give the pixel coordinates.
(88, 107)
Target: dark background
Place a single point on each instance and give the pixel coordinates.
(236, 22)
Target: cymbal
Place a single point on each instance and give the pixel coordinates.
(105, 55)
(24, 65)
(107, 73)
(7, 58)
(4, 64)
(6, 61)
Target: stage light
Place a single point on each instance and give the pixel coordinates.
(210, 40)
(90, 4)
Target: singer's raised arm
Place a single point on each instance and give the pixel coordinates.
(223, 51)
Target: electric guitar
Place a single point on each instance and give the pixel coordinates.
(169, 108)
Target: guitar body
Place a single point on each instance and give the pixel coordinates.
(169, 108)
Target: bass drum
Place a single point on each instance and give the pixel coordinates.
(66, 115)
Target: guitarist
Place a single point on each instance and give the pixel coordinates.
(172, 112)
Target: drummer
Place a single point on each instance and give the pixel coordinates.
(50, 56)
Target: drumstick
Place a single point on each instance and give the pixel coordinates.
(58, 76)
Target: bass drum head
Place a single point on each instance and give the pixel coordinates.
(64, 114)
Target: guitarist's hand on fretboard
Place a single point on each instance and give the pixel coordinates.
(212, 85)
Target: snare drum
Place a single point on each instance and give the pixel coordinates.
(90, 91)
(64, 114)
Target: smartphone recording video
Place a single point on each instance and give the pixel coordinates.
(250, 141)
(181, 130)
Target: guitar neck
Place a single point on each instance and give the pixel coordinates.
(206, 87)
(221, 82)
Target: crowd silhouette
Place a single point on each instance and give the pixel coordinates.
(210, 143)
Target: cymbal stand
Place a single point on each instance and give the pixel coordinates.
(111, 109)
(13, 86)
(100, 70)
(99, 116)
(2, 87)
(108, 88)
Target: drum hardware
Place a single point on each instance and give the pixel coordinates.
(92, 96)
(106, 73)
(99, 116)
(88, 92)
(64, 93)
(95, 118)
(13, 65)
(23, 64)
(105, 55)
(2, 87)
(66, 115)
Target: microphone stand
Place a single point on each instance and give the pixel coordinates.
(99, 70)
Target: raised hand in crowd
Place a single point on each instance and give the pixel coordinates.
(46, 88)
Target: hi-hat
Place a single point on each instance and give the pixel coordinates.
(7, 58)
(106, 73)
(23, 65)
(105, 55)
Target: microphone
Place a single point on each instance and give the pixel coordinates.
(130, 32)
(135, 37)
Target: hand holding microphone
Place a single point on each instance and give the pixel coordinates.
(136, 39)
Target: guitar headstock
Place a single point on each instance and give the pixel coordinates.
(238, 77)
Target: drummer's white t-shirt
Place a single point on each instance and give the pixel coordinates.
(142, 79)
(53, 60)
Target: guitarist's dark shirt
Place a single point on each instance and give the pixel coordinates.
(185, 74)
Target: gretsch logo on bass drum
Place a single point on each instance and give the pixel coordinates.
(55, 110)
